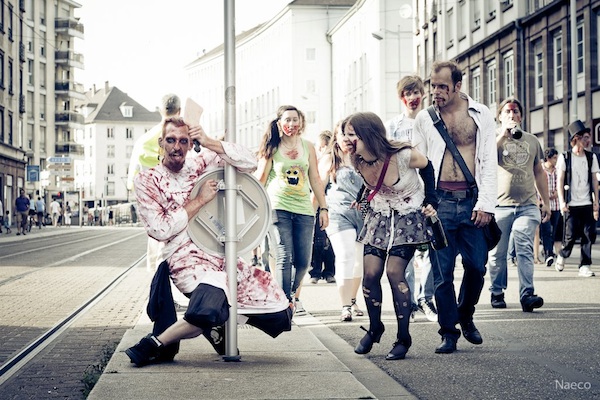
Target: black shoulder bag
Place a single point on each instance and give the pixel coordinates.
(491, 231)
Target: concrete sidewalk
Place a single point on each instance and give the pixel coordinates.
(310, 362)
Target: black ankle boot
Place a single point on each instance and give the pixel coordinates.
(398, 352)
(366, 343)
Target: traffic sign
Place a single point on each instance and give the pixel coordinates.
(59, 167)
(64, 160)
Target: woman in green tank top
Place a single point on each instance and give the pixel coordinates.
(287, 166)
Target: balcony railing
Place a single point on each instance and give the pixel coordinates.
(70, 57)
(69, 27)
(22, 104)
(70, 89)
(68, 117)
(68, 149)
(21, 52)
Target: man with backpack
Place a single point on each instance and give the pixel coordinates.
(578, 197)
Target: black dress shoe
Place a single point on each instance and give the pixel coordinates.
(448, 346)
(531, 301)
(471, 333)
(366, 343)
(398, 352)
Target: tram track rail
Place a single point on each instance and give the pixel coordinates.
(66, 298)
(56, 263)
(13, 365)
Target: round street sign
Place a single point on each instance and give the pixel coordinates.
(252, 213)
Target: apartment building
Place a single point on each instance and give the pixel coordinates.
(113, 122)
(37, 92)
(520, 48)
(13, 156)
(286, 60)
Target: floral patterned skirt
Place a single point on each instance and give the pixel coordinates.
(401, 229)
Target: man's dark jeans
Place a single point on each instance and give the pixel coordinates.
(548, 233)
(468, 240)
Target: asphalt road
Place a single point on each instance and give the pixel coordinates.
(552, 353)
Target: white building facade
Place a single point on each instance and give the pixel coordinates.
(113, 122)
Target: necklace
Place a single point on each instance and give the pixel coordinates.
(370, 163)
(292, 146)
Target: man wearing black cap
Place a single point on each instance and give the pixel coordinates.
(578, 197)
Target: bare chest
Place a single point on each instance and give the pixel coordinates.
(462, 130)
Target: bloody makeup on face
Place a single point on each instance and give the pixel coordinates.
(512, 108)
(412, 98)
(290, 122)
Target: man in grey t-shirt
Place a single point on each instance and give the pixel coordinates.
(520, 173)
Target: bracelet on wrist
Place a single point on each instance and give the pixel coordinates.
(323, 209)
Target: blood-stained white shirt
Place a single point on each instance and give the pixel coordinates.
(161, 195)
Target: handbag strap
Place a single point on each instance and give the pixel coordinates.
(439, 124)
(380, 181)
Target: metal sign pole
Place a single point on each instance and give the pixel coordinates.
(231, 348)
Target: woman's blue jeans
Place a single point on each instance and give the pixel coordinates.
(291, 240)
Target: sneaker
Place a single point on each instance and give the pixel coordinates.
(145, 352)
(314, 281)
(346, 314)
(560, 263)
(498, 300)
(428, 308)
(549, 261)
(299, 307)
(254, 261)
(586, 272)
(330, 279)
(513, 262)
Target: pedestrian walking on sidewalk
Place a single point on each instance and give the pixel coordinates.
(322, 264)
(22, 207)
(548, 229)
(40, 210)
(287, 166)
(578, 198)
(411, 90)
(165, 207)
(7, 221)
(521, 177)
(463, 209)
(55, 210)
(345, 222)
(395, 223)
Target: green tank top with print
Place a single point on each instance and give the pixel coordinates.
(288, 185)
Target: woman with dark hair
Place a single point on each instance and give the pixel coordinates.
(287, 166)
(345, 222)
(395, 224)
